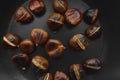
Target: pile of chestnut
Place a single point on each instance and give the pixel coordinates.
(53, 47)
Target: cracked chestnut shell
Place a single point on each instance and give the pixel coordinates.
(40, 62)
(77, 72)
(55, 21)
(22, 15)
(73, 16)
(36, 6)
(59, 75)
(39, 36)
(91, 15)
(47, 76)
(94, 31)
(60, 6)
(22, 61)
(26, 46)
(10, 40)
(92, 64)
(79, 42)
(54, 48)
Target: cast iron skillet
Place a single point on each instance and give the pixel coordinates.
(106, 48)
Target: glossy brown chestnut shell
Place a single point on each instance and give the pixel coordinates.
(79, 42)
(54, 48)
(59, 75)
(60, 6)
(40, 62)
(47, 76)
(77, 72)
(93, 64)
(36, 6)
(39, 36)
(55, 21)
(73, 16)
(10, 40)
(22, 61)
(94, 31)
(26, 46)
(22, 15)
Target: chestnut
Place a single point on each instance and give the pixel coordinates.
(94, 31)
(39, 36)
(59, 75)
(73, 16)
(36, 6)
(79, 42)
(91, 15)
(77, 72)
(40, 62)
(22, 61)
(55, 21)
(92, 64)
(54, 48)
(47, 76)
(60, 6)
(26, 46)
(10, 40)
(22, 15)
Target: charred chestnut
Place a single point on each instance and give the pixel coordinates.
(77, 72)
(39, 36)
(10, 40)
(47, 76)
(93, 64)
(94, 31)
(54, 48)
(79, 42)
(59, 75)
(26, 46)
(60, 6)
(40, 62)
(22, 61)
(36, 6)
(55, 21)
(22, 15)
(91, 15)
(73, 16)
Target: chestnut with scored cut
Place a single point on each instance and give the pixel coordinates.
(10, 40)
(59, 75)
(26, 46)
(36, 6)
(91, 15)
(73, 16)
(22, 15)
(55, 21)
(60, 6)
(54, 48)
(94, 31)
(47, 76)
(79, 42)
(39, 36)
(77, 72)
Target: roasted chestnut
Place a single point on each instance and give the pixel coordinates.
(94, 31)
(47, 76)
(55, 21)
(54, 48)
(59, 75)
(93, 64)
(40, 62)
(10, 40)
(22, 61)
(22, 15)
(73, 16)
(39, 36)
(26, 46)
(77, 72)
(91, 15)
(60, 6)
(79, 42)
(36, 6)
